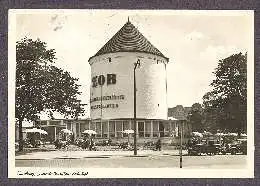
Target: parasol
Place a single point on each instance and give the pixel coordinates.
(89, 132)
(66, 131)
(128, 131)
(220, 134)
(197, 134)
(232, 134)
(35, 130)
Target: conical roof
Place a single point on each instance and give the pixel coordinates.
(128, 39)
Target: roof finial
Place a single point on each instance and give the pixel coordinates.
(128, 19)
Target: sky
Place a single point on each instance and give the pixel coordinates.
(193, 42)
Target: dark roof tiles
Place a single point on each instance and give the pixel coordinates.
(128, 39)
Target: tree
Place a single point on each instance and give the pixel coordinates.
(41, 86)
(227, 102)
(210, 114)
(195, 117)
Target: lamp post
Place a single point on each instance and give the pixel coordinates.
(180, 131)
(101, 107)
(137, 64)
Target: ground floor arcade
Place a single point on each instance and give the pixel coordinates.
(146, 128)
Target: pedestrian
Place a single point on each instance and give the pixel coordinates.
(91, 144)
(85, 144)
(57, 144)
(109, 141)
(73, 138)
(190, 142)
(158, 145)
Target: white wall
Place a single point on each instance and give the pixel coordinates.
(151, 85)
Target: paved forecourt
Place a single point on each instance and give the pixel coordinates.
(85, 154)
(126, 159)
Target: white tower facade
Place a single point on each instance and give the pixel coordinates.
(112, 74)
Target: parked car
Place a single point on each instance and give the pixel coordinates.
(212, 147)
(195, 149)
(209, 146)
(231, 148)
(243, 146)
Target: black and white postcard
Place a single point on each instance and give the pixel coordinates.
(130, 94)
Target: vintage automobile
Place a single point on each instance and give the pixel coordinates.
(232, 148)
(195, 149)
(206, 146)
(242, 146)
(212, 147)
(238, 146)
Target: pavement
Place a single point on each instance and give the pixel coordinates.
(126, 159)
(167, 158)
(93, 154)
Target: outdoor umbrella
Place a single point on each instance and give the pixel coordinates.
(35, 130)
(205, 133)
(128, 132)
(232, 134)
(42, 131)
(197, 134)
(66, 131)
(220, 134)
(90, 132)
(172, 118)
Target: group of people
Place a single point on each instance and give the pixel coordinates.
(88, 144)
(60, 144)
(33, 141)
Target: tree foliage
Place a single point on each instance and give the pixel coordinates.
(195, 117)
(226, 104)
(40, 85)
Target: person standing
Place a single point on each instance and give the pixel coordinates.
(159, 145)
(91, 144)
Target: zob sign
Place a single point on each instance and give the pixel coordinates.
(101, 80)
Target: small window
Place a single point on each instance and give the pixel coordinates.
(109, 60)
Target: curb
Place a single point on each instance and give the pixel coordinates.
(33, 158)
(100, 156)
